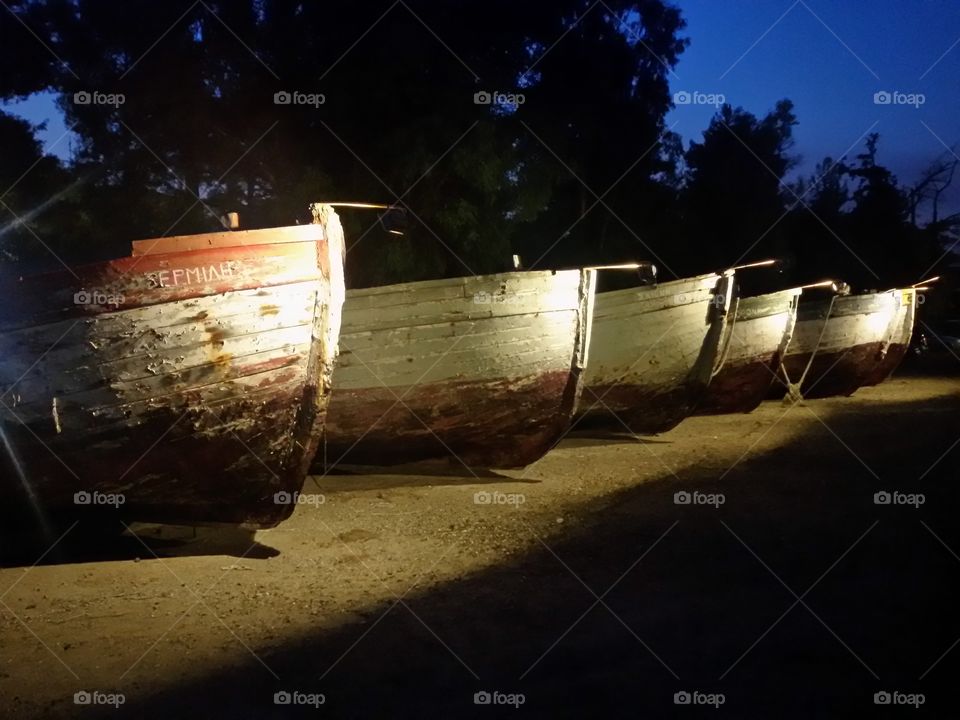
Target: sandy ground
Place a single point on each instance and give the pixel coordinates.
(582, 588)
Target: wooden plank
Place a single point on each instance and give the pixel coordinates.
(128, 283)
(232, 238)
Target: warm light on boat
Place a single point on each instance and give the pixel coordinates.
(364, 206)
(928, 281)
(394, 232)
(832, 284)
(627, 266)
(879, 322)
(761, 263)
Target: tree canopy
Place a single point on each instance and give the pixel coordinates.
(501, 127)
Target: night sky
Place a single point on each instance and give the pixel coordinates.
(828, 57)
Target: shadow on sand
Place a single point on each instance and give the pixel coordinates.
(799, 596)
(86, 541)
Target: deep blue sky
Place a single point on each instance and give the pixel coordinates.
(830, 67)
(831, 70)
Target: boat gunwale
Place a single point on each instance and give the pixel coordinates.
(463, 280)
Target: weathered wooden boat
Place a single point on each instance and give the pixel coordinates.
(187, 383)
(480, 370)
(653, 351)
(897, 340)
(901, 331)
(839, 344)
(758, 333)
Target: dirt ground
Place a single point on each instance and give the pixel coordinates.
(579, 586)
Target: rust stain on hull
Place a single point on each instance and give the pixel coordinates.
(496, 423)
(639, 409)
(739, 387)
(886, 367)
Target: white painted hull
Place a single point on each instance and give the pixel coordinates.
(483, 371)
(752, 350)
(899, 337)
(653, 351)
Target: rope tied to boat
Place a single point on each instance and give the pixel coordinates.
(793, 389)
(728, 340)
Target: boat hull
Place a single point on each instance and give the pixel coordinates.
(481, 371)
(753, 348)
(838, 344)
(179, 386)
(898, 340)
(652, 353)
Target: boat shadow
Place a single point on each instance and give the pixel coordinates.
(356, 477)
(597, 437)
(24, 547)
(685, 594)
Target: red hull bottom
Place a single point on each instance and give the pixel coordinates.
(835, 373)
(641, 410)
(891, 361)
(490, 424)
(738, 388)
(147, 465)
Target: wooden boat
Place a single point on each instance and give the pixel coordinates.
(187, 383)
(758, 334)
(480, 370)
(840, 344)
(653, 351)
(898, 338)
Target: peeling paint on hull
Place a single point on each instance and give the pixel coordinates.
(888, 365)
(757, 339)
(652, 353)
(483, 371)
(184, 397)
(521, 419)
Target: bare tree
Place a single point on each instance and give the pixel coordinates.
(934, 180)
